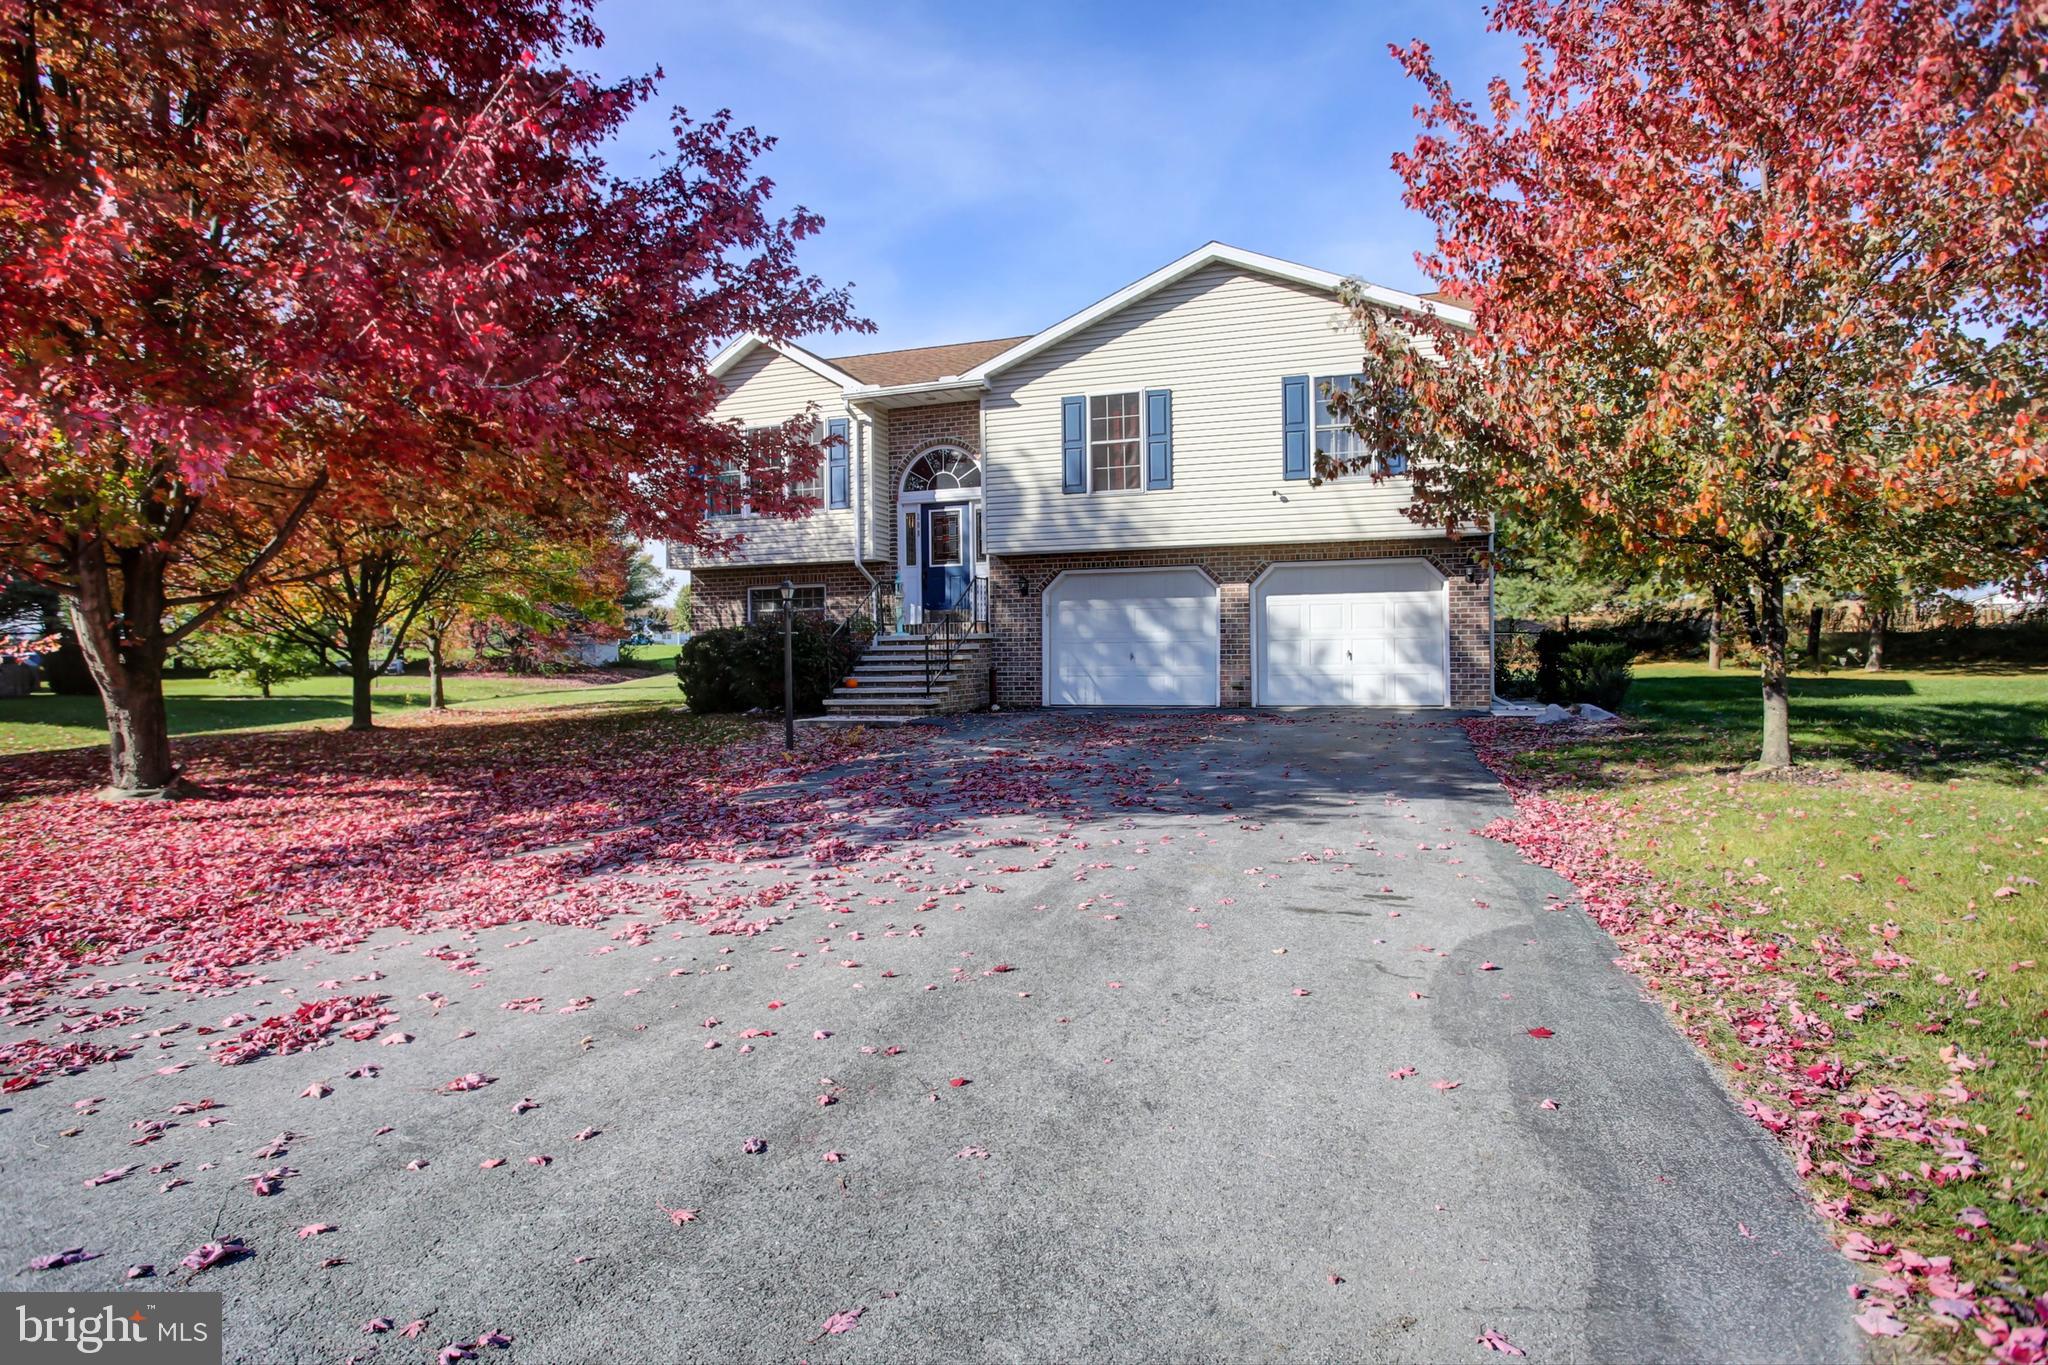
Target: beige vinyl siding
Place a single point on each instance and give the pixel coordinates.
(1221, 340)
(766, 388)
(878, 496)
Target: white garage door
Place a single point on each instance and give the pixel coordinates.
(1139, 638)
(1372, 634)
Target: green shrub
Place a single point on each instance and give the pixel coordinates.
(1551, 647)
(739, 668)
(1596, 671)
(1514, 664)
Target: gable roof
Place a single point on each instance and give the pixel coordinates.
(972, 362)
(921, 364)
(1214, 253)
(735, 350)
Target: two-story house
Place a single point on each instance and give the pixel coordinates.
(1125, 500)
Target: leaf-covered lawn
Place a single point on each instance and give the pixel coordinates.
(1863, 948)
(207, 705)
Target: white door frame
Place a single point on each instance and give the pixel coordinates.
(1257, 615)
(909, 575)
(910, 582)
(1045, 622)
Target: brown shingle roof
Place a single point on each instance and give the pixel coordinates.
(920, 364)
(1442, 296)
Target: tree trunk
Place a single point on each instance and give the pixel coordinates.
(1875, 662)
(127, 667)
(437, 700)
(1714, 631)
(361, 673)
(138, 735)
(263, 685)
(1772, 640)
(1813, 624)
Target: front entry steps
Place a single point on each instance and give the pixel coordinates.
(887, 686)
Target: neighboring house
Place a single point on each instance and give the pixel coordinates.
(671, 562)
(1125, 499)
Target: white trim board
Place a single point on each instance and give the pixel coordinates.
(735, 350)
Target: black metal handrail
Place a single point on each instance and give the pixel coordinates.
(881, 611)
(945, 630)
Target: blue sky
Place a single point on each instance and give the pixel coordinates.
(984, 170)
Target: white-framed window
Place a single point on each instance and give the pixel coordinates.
(729, 499)
(943, 470)
(810, 485)
(765, 604)
(1334, 436)
(728, 494)
(1116, 442)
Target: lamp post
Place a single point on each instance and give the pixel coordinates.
(788, 666)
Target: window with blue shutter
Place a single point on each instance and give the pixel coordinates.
(837, 484)
(1159, 438)
(1294, 427)
(1073, 445)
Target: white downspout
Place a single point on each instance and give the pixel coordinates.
(862, 427)
(1492, 620)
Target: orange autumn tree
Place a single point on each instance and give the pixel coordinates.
(1758, 292)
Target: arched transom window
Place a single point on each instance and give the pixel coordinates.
(942, 471)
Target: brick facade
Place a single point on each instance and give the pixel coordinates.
(913, 431)
(718, 597)
(1016, 583)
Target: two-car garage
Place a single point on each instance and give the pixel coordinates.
(1355, 633)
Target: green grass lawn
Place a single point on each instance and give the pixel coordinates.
(1921, 821)
(206, 706)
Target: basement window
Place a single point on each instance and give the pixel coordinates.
(765, 604)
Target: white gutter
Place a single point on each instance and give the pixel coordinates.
(870, 393)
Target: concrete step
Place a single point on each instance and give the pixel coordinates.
(856, 702)
(891, 690)
(898, 637)
(917, 651)
(902, 674)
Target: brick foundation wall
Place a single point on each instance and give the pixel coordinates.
(1016, 583)
(718, 597)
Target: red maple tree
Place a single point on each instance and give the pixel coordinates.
(1758, 293)
(249, 254)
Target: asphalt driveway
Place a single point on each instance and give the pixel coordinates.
(1249, 1076)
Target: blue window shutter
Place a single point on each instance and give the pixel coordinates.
(837, 487)
(1073, 445)
(1159, 438)
(1294, 426)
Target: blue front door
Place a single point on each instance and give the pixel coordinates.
(947, 560)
